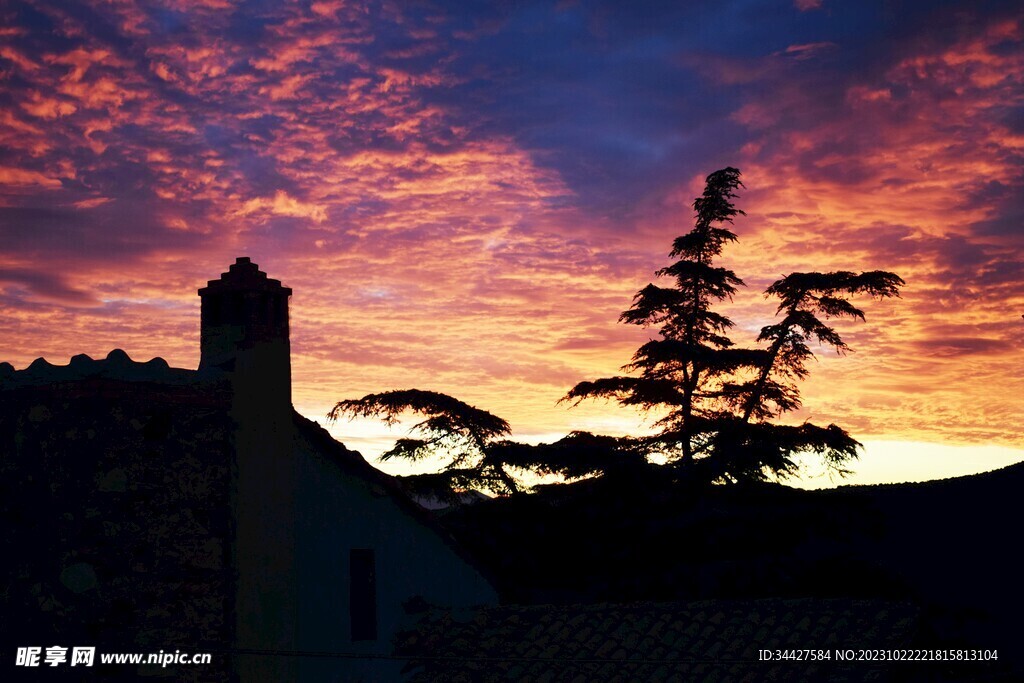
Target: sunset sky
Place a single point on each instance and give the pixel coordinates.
(465, 195)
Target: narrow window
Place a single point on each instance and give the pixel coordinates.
(363, 594)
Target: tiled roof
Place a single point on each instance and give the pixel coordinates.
(699, 641)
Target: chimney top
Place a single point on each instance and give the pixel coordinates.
(244, 275)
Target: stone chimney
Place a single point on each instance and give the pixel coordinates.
(244, 333)
(244, 329)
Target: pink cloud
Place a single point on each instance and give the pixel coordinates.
(47, 107)
(281, 204)
(17, 58)
(19, 177)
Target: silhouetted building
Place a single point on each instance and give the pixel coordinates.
(244, 330)
(152, 508)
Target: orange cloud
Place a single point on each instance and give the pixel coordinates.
(20, 177)
(47, 107)
(281, 204)
(16, 57)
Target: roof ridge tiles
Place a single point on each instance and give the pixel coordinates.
(117, 365)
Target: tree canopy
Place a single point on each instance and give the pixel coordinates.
(717, 401)
(471, 443)
(455, 430)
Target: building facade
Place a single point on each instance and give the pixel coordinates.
(159, 508)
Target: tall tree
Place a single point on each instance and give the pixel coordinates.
(686, 371)
(716, 399)
(806, 298)
(751, 443)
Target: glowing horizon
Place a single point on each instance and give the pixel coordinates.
(465, 198)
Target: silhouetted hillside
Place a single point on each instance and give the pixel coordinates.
(948, 547)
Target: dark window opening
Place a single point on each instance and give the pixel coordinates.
(363, 593)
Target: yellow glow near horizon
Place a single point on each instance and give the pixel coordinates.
(894, 462)
(880, 462)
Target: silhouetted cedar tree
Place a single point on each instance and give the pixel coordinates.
(717, 401)
(450, 428)
(470, 440)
